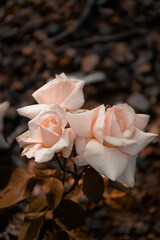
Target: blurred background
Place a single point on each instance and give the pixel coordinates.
(115, 47)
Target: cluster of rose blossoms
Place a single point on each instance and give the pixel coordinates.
(108, 139)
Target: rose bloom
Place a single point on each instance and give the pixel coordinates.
(47, 134)
(62, 91)
(109, 140)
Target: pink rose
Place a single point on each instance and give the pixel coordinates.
(62, 91)
(109, 140)
(47, 134)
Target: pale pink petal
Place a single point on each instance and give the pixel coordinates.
(24, 139)
(54, 93)
(110, 162)
(98, 128)
(112, 127)
(34, 130)
(67, 150)
(82, 123)
(31, 149)
(49, 138)
(46, 154)
(141, 121)
(80, 144)
(75, 99)
(80, 160)
(119, 142)
(127, 114)
(31, 111)
(128, 176)
(142, 140)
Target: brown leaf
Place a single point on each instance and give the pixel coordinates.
(93, 185)
(36, 208)
(69, 215)
(19, 188)
(53, 188)
(46, 173)
(31, 229)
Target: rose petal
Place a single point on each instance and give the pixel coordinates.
(75, 99)
(142, 140)
(119, 142)
(128, 175)
(141, 121)
(49, 138)
(98, 128)
(80, 144)
(62, 91)
(67, 150)
(110, 162)
(82, 123)
(112, 127)
(80, 160)
(46, 154)
(127, 114)
(30, 150)
(31, 111)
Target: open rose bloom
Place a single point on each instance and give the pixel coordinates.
(106, 139)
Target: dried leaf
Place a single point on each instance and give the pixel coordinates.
(69, 215)
(19, 188)
(53, 188)
(31, 229)
(46, 173)
(34, 218)
(93, 185)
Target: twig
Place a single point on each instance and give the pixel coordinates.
(59, 162)
(76, 179)
(79, 22)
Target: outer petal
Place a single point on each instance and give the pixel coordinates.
(24, 139)
(110, 162)
(32, 111)
(142, 140)
(80, 160)
(128, 175)
(62, 91)
(46, 154)
(75, 99)
(82, 123)
(98, 128)
(141, 121)
(80, 144)
(67, 150)
(119, 142)
(30, 150)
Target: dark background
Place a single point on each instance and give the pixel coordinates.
(114, 43)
